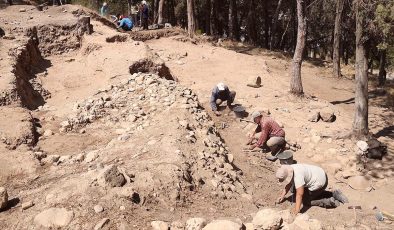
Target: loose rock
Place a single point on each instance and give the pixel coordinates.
(3, 198)
(267, 219)
(98, 208)
(27, 205)
(101, 224)
(223, 224)
(110, 176)
(195, 223)
(54, 217)
(159, 225)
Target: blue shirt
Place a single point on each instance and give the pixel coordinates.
(126, 24)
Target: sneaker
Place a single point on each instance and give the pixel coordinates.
(339, 196)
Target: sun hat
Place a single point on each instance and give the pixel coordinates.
(255, 114)
(284, 174)
(221, 86)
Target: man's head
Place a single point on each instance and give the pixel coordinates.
(221, 86)
(284, 174)
(104, 4)
(256, 117)
(143, 2)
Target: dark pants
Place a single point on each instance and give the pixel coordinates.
(320, 197)
(230, 98)
(145, 23)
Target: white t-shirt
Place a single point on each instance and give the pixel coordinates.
(309, 176)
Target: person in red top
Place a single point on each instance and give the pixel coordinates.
(269, 134)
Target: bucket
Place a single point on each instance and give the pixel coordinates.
(239, 111)
(286, 157)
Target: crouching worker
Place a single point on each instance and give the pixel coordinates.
(125, 23)
(268, 133)
(221, 93)
(309, 182)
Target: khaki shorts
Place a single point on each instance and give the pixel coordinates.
(272, 141)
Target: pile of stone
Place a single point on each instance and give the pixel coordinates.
(265, 219)
(214, 164)
(139, 98)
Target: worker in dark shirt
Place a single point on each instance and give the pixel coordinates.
(221, 93)
(145, 15)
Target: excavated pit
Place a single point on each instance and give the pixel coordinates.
(147, 65)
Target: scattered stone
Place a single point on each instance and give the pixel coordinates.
(54, 217)
(98, 208)
(3, 198)
(110, 176)
(362, 145)
(48, 133)
(327, 115)
(101, 224)
(230, 158)
(223, 224)
(27, 205)
(22, 10)
(91, 156)
(314, 117)
(249, 226)
(159, 225)
(267, 219)
(195, 223)
(177, 225)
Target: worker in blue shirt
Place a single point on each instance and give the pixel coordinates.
(125, 23)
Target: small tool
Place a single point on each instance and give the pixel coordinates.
(355, 213)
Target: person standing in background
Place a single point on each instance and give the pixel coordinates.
(145, 15)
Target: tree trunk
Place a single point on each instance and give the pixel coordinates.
(232, 20)
(212, 16)
(190, 18)
(336, 57)
(274, 24)
(155, 3)
(251, 23)
(160, 12)
(295, 82)
(382, 68)
(360, 122)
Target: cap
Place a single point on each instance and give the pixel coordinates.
(255, 114)
(104, 4)
(284, 174)
(221, 86)
(143, 2)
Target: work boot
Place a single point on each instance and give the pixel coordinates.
(326, 203)
(339, 196)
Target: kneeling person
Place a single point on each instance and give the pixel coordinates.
(309, 182)
(221, 93)
(125, 23)
(271, 135)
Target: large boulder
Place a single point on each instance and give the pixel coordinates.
(54, 218)
(304, 222)
(3, 198)
(223, 224)
(195, 223)
(267, 219)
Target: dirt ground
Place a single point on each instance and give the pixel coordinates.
(173, 153)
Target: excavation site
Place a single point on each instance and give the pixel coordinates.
(108, 129)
